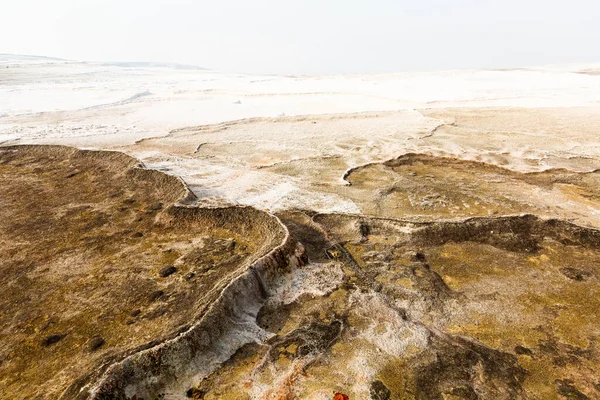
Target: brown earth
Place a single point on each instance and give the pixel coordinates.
(419, 185)
(461, 280)
(486, 308)
(97, 262)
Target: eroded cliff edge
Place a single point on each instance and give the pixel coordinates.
(105, 261)
(445, 290)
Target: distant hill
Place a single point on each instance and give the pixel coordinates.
(11, 58)
(141, 64)
(23, 57)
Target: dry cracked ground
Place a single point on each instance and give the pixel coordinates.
(441, 276)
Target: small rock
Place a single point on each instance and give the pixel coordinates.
(521, 350)
(155, 207)
(575, 274)
(334, 253)
(135, 313)
(52, 339)
(231, 245)
(566, 389)
(189, 275)
(402, 313)
(195, 393)
(156, 295)
(379, 391)
(137, 234)
(95, 343)
(166, 271)
(365, 231)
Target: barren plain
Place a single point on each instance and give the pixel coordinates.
(188, 234)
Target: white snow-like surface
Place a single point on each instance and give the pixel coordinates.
(114, 106)
(54, 94)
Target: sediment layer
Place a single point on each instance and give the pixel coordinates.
(120, 287)
(103, 260)
(487, 307)
(430, 188)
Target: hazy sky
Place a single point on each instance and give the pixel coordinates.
(307, 36)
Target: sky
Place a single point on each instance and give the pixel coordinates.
(308, 36)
